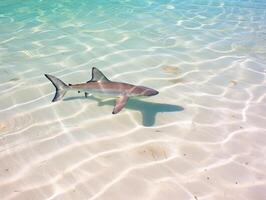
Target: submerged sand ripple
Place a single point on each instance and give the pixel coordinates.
(202, 137)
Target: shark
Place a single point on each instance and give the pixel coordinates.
(101, 87)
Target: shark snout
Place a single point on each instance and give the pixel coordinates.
(151, 92)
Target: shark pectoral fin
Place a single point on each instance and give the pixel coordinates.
(120, 103)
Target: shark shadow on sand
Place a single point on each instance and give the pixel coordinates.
(148, 110)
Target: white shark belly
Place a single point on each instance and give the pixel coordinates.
(104, 93)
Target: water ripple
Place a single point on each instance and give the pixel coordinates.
(202, 137)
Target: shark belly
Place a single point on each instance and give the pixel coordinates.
(103, 93)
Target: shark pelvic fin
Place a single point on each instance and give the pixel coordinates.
(87, 94)
(60, 86)
(120, 103)
(98, 76)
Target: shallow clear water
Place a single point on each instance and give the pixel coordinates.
(202, 137)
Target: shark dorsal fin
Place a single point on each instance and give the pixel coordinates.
(97, 76)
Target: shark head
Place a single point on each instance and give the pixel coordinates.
(144, 91)
(150, 92)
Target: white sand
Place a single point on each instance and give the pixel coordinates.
(213, 149)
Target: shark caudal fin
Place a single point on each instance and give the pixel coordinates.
(60, 86)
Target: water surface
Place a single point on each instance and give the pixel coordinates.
(202, 137)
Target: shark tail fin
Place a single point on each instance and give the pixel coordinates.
(60, 86)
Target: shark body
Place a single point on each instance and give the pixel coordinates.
(100, 86)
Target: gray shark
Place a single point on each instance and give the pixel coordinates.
(100, 86)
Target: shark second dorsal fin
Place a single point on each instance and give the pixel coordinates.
(97, 75)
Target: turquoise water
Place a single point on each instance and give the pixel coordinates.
(207, 58)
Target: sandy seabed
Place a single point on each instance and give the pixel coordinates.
(202, 138)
